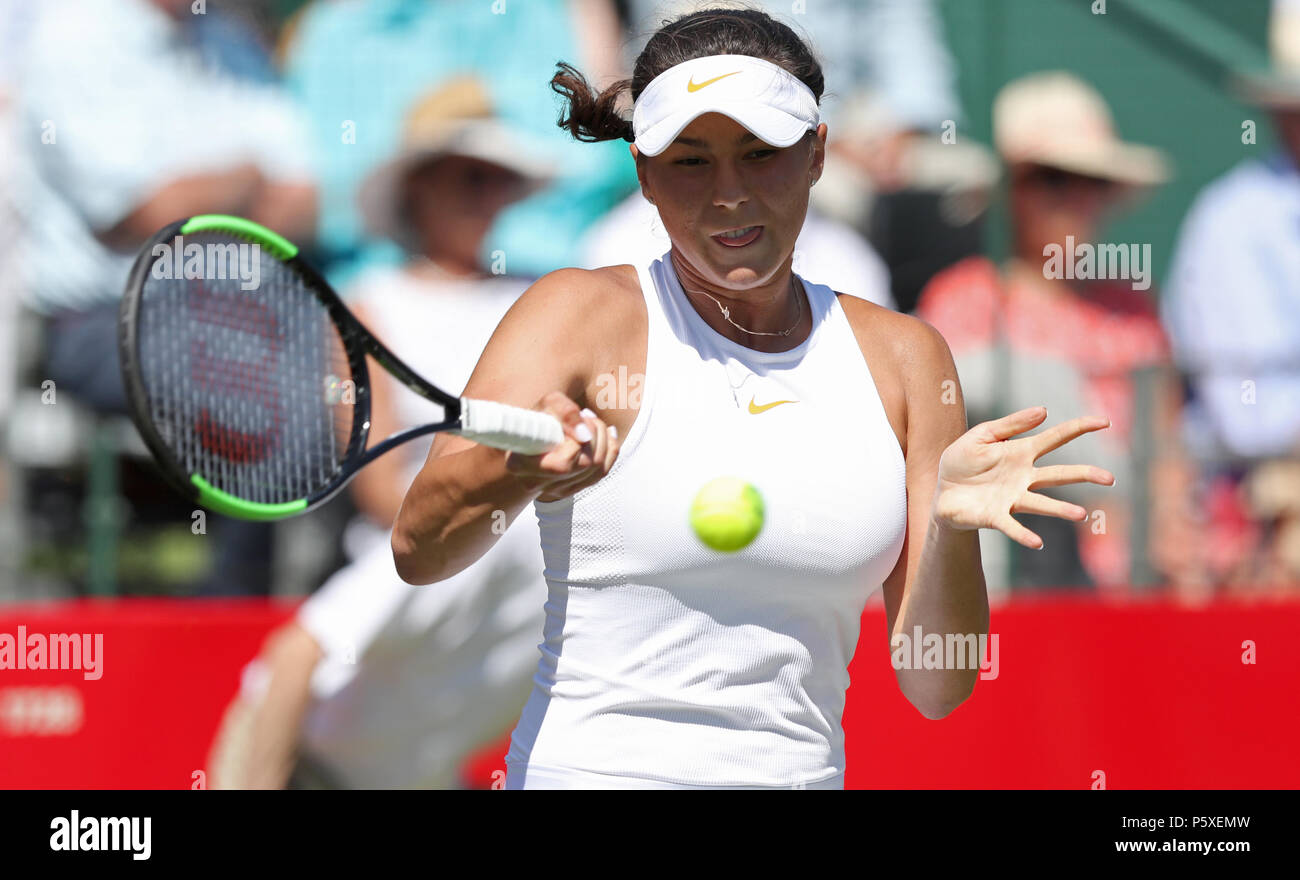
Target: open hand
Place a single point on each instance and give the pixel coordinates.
(985, 475)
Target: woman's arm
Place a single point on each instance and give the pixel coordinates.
(539, 357)
(958, 482)
(938, 583)
(291, 656)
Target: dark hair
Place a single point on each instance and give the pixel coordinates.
(713, 31)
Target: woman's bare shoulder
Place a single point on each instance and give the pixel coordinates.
(903, 341)
(585, 316)
(909, 359)
(585, 294)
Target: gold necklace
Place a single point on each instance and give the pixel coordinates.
(726, 313)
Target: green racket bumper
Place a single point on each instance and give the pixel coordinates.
(278, 245)
(223, 502)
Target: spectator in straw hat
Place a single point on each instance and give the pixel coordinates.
(458, 167)
(1234, 290)
(1233, 305)
(1045, 330)
(358, 66)
(366, 686)
(453, 148)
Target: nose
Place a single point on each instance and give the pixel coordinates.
(729, 189)
(1086, 207)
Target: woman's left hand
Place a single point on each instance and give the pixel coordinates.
(985, 475)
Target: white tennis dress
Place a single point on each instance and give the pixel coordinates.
(665, 664)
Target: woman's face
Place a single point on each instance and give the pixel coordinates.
(717, 176)
(1047, 204)
(453, 202)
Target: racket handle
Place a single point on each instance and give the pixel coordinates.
(508, 427)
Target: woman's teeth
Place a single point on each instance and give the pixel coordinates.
(739, 237)
(739, 233)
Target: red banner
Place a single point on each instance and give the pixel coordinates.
(1082, 694)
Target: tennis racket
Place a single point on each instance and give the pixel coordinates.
(246, 375)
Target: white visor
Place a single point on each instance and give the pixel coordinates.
(763, 97)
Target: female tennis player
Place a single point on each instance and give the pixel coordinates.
(665, 663)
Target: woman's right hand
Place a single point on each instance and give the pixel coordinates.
(588, 451)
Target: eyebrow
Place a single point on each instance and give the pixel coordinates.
(745, 137)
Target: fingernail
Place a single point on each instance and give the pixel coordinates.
(588, 414)
(582, 432)
(613, 432)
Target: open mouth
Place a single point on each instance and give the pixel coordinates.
(738, 237)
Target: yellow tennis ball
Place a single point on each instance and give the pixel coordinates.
(727, 514)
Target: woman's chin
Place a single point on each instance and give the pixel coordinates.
(747, 272)
(744, 268)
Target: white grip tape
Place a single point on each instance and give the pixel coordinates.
(509, 427)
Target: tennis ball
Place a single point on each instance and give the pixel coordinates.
(727, 514)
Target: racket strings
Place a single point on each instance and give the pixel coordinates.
(250, 389)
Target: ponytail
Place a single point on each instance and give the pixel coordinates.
(589, 116)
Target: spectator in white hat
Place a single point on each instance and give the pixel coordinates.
(1233, 310)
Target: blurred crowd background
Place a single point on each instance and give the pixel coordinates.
(411, 148)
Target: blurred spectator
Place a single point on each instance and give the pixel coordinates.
(15, 18)
(129, 129)
(230, 39)
(377, 683)
(1033, 332)
(1233, 309)
(458, 168)
(358, 66)
(827, 251)
(133, 132)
